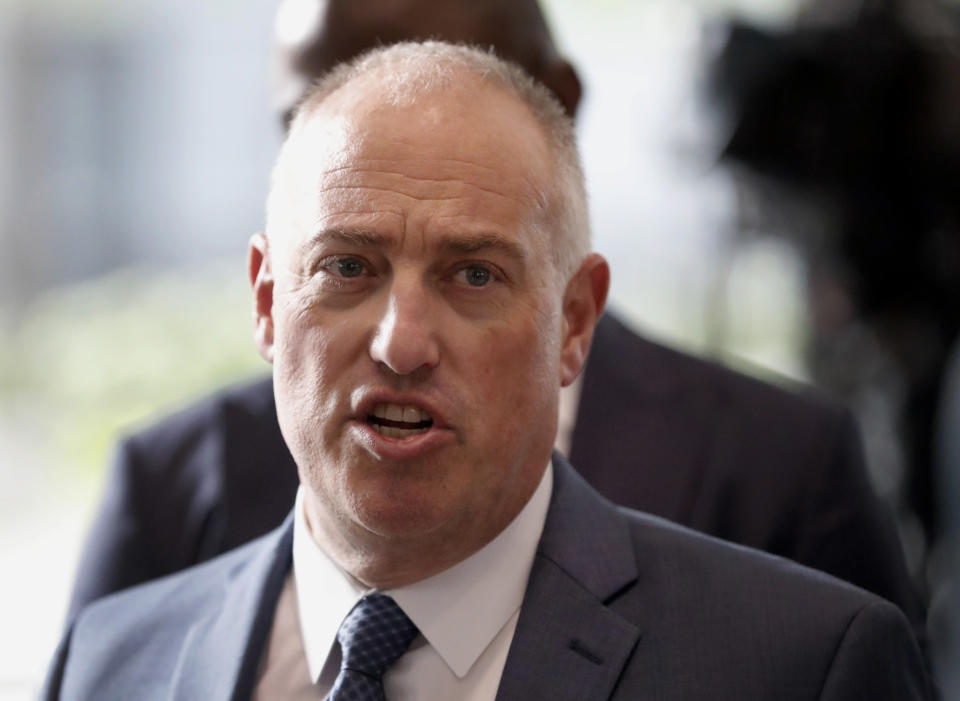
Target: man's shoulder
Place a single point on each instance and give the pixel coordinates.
(757, 625)
(666, 370)
(231, 409)
(194, 484)
(682, 413)
(586, 533)
(169, 600)
(151, 620)
(695, 566)
(134, 639)
(626, 585)
(232, 431)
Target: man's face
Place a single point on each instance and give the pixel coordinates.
(416, 318)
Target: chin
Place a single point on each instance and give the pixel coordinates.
(401, 510)
(399, 521)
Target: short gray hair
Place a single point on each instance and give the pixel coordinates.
(413, 69)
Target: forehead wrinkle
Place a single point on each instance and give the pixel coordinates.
(351, 212)
(450, 181)
(533, 199)
(413, 163)
(375, 162)
(330, 188)
(332, 170)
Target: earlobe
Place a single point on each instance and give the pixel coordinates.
(260, 274)
(583, 303)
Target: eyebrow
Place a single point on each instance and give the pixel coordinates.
(465, 244)
(457, 244)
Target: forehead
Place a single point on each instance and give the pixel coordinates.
(471, 148)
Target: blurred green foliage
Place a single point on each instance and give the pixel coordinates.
(92, 360)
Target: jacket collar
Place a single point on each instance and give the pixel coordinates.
(568, 642)
(221, 655)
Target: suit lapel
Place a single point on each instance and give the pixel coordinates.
(221, 655)
(568, 643)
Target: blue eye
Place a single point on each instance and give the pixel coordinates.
(346, 267)
(350, 267)
(476, 275)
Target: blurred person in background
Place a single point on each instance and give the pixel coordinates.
(852, 119)
(720, 452)
(945, 568)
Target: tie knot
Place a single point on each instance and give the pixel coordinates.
(374, 634)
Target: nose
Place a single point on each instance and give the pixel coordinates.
(405, 339)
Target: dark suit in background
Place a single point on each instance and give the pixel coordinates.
(656, 430)
(619, 605)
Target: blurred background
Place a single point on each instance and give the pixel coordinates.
(730, 162)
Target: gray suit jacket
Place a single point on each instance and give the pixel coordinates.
(619, 605)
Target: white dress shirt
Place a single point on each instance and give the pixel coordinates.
(466, 615)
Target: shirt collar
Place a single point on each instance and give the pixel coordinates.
(458, 611)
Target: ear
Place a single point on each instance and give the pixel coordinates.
(561, 77)
(261, 282)
(583, 304)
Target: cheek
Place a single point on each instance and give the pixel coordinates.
(305, 336)
(304, 364)
(519, 365)
(295, 339)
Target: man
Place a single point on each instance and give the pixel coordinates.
(423, 289)
(721, 453)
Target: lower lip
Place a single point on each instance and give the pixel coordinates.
(405, 448)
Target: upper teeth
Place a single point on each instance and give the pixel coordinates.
(407, 413)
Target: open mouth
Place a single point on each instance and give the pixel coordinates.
(399, 420)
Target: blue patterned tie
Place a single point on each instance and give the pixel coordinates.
(372, 637)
